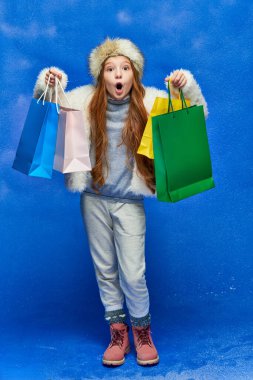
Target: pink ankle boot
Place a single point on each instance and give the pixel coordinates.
(119, 345)
(145, 349)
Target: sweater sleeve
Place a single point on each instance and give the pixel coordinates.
(40, 84)
(191, 91)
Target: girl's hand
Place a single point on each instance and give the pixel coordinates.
(54, 74)
(178, 79)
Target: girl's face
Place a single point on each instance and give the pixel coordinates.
(118, 77)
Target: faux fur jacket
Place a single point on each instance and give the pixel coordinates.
(80, 97)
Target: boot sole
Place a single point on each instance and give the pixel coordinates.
(148, 362)
(116, 362)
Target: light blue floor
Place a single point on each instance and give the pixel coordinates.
(188, 351)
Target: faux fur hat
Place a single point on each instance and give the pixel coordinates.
(113, 48)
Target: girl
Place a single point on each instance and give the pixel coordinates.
(115, 111)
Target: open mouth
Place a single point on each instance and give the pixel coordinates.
(119, 86)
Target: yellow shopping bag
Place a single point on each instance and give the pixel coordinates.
(160, 107)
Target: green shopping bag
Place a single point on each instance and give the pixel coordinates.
(181, 153)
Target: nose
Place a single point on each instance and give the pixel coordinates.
(118, 73)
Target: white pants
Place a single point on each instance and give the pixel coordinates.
(116, 235)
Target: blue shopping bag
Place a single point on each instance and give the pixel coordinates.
(36, 148)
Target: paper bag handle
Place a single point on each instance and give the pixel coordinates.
(44, 93)
(170, 105)
(56, 93)
(59, 82)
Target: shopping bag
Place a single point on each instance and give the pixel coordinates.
(72, 151)
(181, 153)
(35, 152)
(160, 106)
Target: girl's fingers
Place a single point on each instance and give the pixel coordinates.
(175, 75)
(182, 82)
(52, 74)
(51, 82)
(55, 73)
(178, 79)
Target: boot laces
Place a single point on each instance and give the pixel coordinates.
(143, 336)
(117, 337)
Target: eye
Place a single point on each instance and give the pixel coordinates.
(126, 68)
(109, 69)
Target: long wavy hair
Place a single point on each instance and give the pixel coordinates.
(131, 133)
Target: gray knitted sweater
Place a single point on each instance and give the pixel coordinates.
(118, 180)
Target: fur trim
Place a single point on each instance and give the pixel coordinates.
(113, 48)
(150, 94)
(79, 98)
(76, 182)
(138, 185)
(40, 84)
(191, 91)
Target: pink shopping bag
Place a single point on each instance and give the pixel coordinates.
(71, 152)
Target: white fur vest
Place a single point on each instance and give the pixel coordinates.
(80, 97)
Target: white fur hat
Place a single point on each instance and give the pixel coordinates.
(113, 48)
